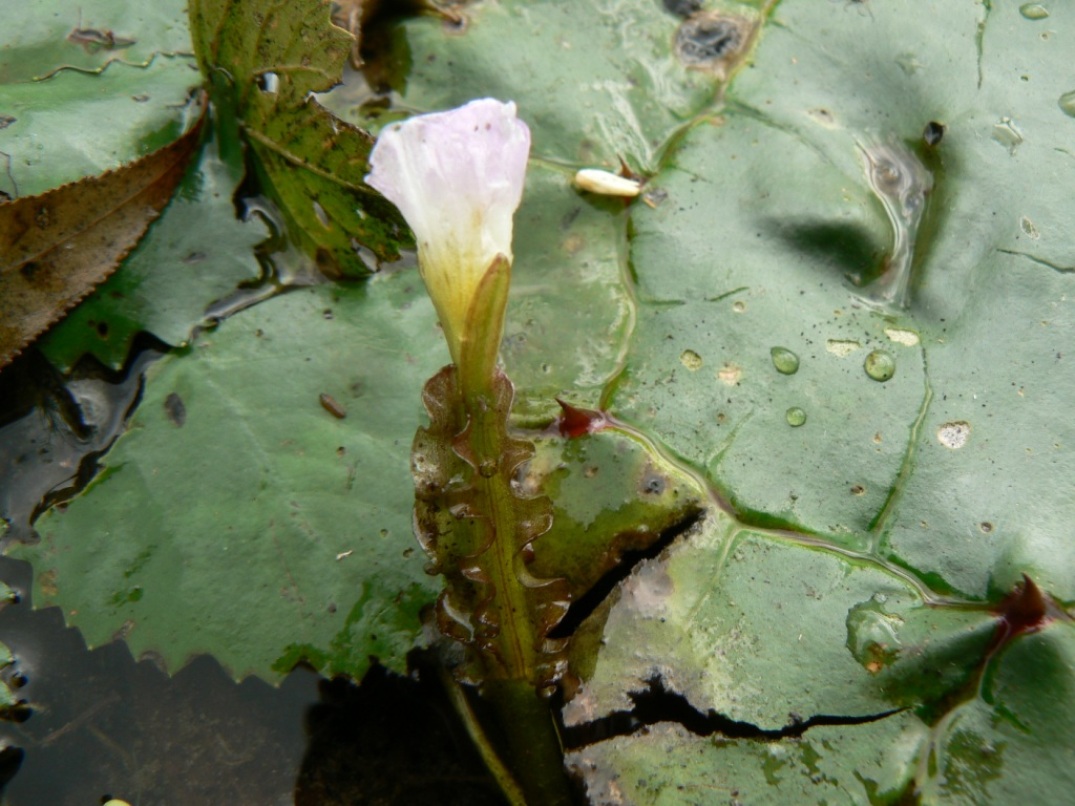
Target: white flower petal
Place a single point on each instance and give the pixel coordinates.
(457, 177)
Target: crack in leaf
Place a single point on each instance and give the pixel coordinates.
(657, 704)
(1040, 261)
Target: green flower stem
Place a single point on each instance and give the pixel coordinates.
(533, 742)
(458, 696)
(518, 639)
(512, 672)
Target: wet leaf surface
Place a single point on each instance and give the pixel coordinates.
(88, 37)
(86, 89)
(924, 462)
(59, 245)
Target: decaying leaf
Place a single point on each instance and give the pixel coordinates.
(60, 244)
(266, 59)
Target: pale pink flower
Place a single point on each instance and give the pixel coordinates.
(457, 177)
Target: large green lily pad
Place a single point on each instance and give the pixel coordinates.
(937, 487)
(769, 208)
(238, 516)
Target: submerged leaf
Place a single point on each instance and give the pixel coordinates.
(57, 246)
(458, 498)
(264, 61)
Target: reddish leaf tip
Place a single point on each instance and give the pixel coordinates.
(575, 422)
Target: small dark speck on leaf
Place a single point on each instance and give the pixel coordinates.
(6, 120)
(332, 406)
(652, 484)
(933, 133)
(708, 38)
(175, 410)
(683, 8)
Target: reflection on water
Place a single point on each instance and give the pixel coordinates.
(104, 725)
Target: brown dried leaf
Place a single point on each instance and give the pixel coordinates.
(57, 246)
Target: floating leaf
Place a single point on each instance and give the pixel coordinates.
(925, 466)
(63, 115)
(57, 246)
(270, 531)
(56, 35)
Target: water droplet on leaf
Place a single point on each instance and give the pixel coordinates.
(795, 416)
(880, 366)
(785, 361)
(1066, 102)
